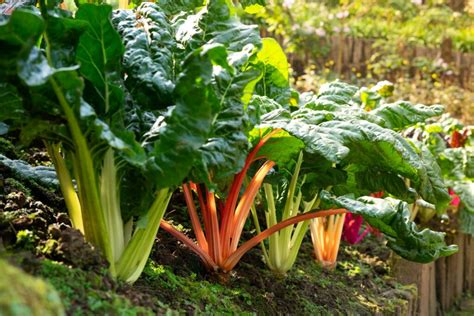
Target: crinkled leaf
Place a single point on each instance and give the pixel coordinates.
(392, 217)
(465, 190)
(148, 61)
(337, 91)
(281, 148)
(44, 176)
(457, 163)
(374, 180)
(466, 219)
(402, 114)
(188, 124)
(430, 185)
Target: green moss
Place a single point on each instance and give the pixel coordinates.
(86, 293)
(7, 148)
(22, 294)
(26, 239)
(198, 295)
(15, 185)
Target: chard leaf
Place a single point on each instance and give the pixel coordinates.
(222, 25)
(374, 180)
(147, 34)
(402, 114)
(281, 148)
(465, 190)
(457, 163)
(44, 176)
(225, 151)
(18, 35)
(430, 184)
(188, 124)
(274, 83)
(99, 53)
(337, 129)
(337, 92)
(392, 217)
(329, 110)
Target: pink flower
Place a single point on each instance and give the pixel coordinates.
(455, 198)
(351, 230)
(352, 225)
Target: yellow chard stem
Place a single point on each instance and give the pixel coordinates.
(67, 187)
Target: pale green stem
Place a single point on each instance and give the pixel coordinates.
(290, 204)
(258, 230)
(273, 240)
(95, 229)
(110, 200)
(133, 260)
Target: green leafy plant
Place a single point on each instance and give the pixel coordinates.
(64, 82)
(348, 153)
(450, 142)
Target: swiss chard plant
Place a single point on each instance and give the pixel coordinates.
(119, 110)
(451, 143)
(218, 179)
(351, 148)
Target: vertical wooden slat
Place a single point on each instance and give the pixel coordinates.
(441, 283)
(459, 273)
(432, 301)
(467, 264)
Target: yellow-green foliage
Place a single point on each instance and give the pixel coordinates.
(22, 294)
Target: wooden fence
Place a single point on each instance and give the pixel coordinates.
(441, 284)
(351, 52)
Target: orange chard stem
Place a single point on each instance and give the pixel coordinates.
(233, 196)
(205, 215)
(201, 239)
(243, 209)
(191, 244)
(216, 250)
(337, 237)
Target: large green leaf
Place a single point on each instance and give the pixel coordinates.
(457, 163)
(188, 123)
(373, 180)
(430, 184)
(274, 83)
(465, 190)
(337, 92)
(18, 35)
(334, 127)
(149, 62)
(402, 114)
(392, 217)
(99, 53)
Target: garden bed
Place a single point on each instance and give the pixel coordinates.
(175, 280)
